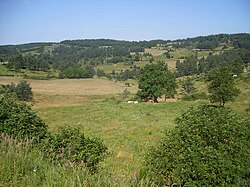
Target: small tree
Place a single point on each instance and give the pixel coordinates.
(208, 147)
(126, 93)
(221, 87)
(188, 86)
(155, 80)
(100, 73)
(23, 91)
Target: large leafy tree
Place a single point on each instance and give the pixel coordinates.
(156, 80)
(208, 147)
(222, 87)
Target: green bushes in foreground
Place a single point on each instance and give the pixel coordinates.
(22, 91)
(19, 121)
(209, 147)
(69, 146)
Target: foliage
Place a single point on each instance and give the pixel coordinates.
(70, 147)
(22, 90)
(195, 96)
(222, 87)
(76, 53)
(19, 121)
(24, 165)
(154, 81)
(187, 67)
(235, 59)
(87, 72)
(208, 147)
(187, 86)
(127, 74)
(126, 93)
(100, 73)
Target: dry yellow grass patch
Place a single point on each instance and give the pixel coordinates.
(63, 92)
(155, 52)
(171, 64)
(72, 86)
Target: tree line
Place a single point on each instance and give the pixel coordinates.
(235, 59)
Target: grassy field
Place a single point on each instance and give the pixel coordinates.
(64, 92)
(97, 108)
(128, 130)
(28, 73)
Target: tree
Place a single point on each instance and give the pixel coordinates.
(187, 67)
(100, 73)
(208, 147)
(154, 81)
(170, 85)
(126, 93)
(221, 87)
(188, 86)
(23, 91)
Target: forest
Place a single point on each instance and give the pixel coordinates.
(70, 55)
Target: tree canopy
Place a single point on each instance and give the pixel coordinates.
(156, 80)
(221, 86)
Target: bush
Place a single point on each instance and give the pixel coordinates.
(195, 96)
(70, 147)
(22, 90)
(19, 121)
(208, 147)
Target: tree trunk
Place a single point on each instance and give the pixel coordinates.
(155, 99)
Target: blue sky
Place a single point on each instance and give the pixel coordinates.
(25, 21)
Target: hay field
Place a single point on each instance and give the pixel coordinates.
(64, 92)
(72, 86)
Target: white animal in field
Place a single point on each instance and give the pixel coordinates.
(130, 102)
(136, 102)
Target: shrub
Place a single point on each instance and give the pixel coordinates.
(70, 147)
(19, 121)
(22, 90)
(208, 147)
(195, 96)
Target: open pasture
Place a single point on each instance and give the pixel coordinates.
(127, 129)
(63, 92)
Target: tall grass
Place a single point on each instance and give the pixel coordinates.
(22, 164)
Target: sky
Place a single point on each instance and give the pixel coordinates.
(27, 21)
